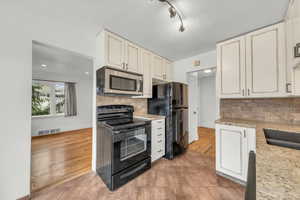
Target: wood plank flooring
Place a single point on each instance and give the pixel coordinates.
(190, 176)
(61, 157)
(206, 144)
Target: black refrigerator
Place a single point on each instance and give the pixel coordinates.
(171, 100)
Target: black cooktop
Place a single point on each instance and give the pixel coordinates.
(122, 124)
(119, 117)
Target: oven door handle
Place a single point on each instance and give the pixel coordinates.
(122, 135)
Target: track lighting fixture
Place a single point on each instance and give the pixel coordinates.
(173, 12)
(181, 29)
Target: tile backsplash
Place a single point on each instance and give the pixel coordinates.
(140, 105)
(283, 110)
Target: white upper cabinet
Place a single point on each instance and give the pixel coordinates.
(158, 64)
(167, 70)
(162, 69)
(114, 49)
(265, 55)
(146, 63)
(231, 68)
(132, 58)
(292, 39)
(253, 65)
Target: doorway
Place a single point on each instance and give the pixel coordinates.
(192, 78)
(61, 124)
(204, 112)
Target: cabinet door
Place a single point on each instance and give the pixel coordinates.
(265, 50)
(296, 80)
(167, 70)
(146, 60)
(114, 49)
(292, 38)
(231, 68)
(157, 67)
(132, 59)
(231, 151)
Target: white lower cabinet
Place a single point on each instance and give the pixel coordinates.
(157, 139)
(233, 145)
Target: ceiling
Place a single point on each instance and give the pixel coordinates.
(60, 62)
(147, 22)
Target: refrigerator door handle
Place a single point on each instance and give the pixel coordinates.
(176, 125)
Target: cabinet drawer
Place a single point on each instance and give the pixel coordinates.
(158, 144)
(158, 133)
(158, 151)
(160, 141)
(158, 123)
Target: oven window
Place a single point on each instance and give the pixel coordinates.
(134, 144)
(121, 83)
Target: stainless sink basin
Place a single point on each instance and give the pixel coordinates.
(282, 138)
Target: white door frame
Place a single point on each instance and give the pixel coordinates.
(217, 100)
(193, 134)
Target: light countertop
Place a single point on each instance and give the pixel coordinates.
(277, 168)
(149, 116)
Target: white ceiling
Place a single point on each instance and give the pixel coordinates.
(59, 62)
(148, 24)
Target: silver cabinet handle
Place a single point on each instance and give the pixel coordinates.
(287, 87)
(243, 92)
(159, 134)
(245, 134)
(248, 92)
(159, 129)
(160, 141)
(159, 151)
(126, 66)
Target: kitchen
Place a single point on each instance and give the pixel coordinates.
(261, 92)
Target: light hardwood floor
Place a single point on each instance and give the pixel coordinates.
(190, 176)
(206, 144)
(61, 157)
(187, 177)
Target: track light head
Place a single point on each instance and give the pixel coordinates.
(172, 12)
(181, 29)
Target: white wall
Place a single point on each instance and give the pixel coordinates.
(19, 26)
(181, 67)
(84, 104)
(207, 102)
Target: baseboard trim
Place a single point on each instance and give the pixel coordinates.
(60, 133)
(28, 197)
(238, 181)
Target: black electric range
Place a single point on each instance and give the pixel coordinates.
(123, 145)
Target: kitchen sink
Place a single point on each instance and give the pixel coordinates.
(282, 138)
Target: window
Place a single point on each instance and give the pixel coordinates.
(48, 98)
(59, 98)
